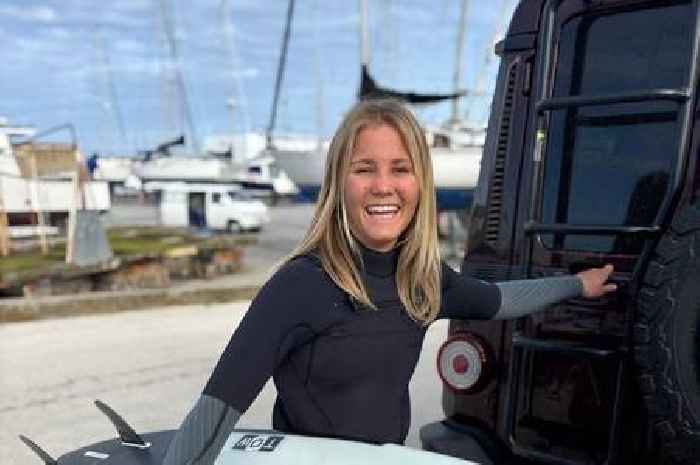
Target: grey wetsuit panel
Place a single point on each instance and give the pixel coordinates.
(202, 434)
(520, 298)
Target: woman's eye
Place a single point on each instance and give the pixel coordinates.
(402, 169)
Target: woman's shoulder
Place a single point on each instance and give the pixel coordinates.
(299, 283)
(308, 262)
(302, 270)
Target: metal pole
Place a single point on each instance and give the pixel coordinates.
(72, 220)
(280, 72)
(320, 115)
(225, 14)
(179, 81)
(457, 76)
(108, 75)
(481, 74)
(4, 226)
(35, 206)
(364, 37)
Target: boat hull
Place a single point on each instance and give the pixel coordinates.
(455, 171)
(21, 195)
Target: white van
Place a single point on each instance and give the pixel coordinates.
(222, 207)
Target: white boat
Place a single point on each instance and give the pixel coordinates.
(303, 160)
(456, 157)
(23, 196)
(183, 168)
(114, 170)
(38, 184)
(259, 174)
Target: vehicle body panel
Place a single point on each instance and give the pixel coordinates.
(565, 390)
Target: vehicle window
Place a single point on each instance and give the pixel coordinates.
(254, 170)
(216, 197)
(612, 164)
(239, 195)
(626, 51)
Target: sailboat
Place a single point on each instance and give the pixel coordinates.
(233, 164)
(455, 150)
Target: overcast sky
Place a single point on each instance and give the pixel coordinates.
(105, 66)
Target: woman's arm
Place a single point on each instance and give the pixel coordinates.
(248, 361)
(469, 298)
(203, 432)
(520, 298)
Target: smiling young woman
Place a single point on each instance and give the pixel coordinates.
(379, 160)
(340, 325)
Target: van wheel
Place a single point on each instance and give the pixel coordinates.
(234, 227)
(667, 339)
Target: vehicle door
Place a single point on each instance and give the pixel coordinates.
(218, 215)
(613, 128)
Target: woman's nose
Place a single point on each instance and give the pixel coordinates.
(382, 184)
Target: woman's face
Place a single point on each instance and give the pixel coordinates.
(381, 189)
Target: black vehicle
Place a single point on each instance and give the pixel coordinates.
(591, 158)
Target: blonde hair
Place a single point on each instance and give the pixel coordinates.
(329, 235)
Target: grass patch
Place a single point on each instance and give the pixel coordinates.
(26, 261)
(124, 241)
(122, 245)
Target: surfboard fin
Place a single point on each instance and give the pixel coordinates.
(128, 436)
(43, 455)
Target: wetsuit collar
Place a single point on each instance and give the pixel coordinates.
(380, 264)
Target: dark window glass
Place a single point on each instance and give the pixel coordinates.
(240, 195)
(608, 165)
(611, 164)
(216, 197)
(626, 51)
(254, 170)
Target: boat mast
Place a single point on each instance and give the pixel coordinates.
(280, 73)
(179, 81)
(480, 84)
(108, 76)
(242, 103)
(457, 76)
(320, 113)
(364, 37)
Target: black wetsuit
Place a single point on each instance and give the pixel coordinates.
(339, 370)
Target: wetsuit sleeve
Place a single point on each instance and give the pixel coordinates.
(520, 298)
(203, 433)
(248, 361)
(464, 297)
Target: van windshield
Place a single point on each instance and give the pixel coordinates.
(239, 195)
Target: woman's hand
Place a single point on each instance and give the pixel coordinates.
(594, 279)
